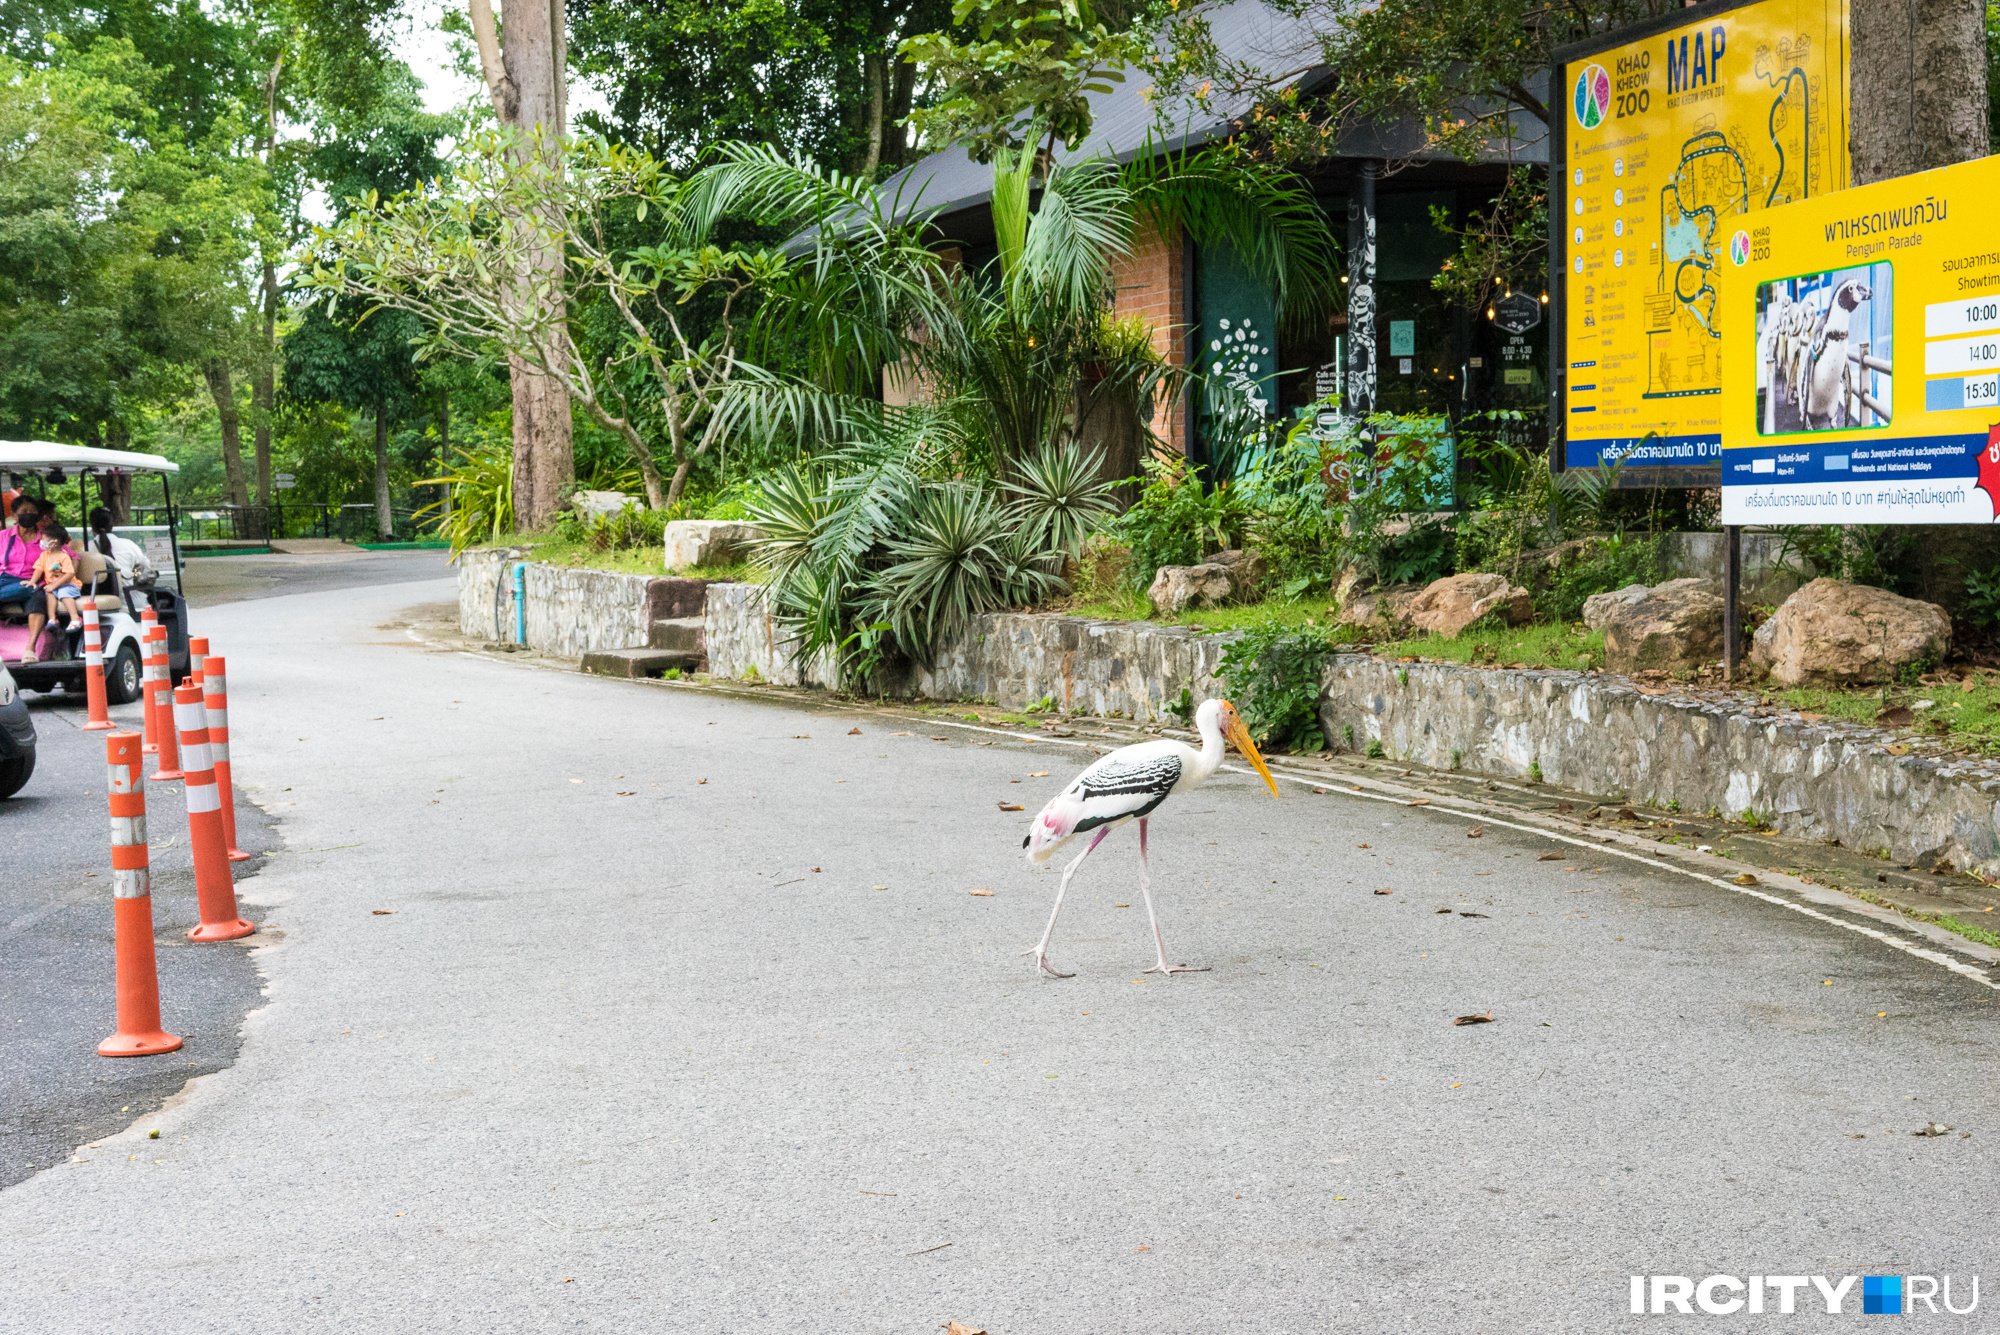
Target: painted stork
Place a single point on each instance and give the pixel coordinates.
(1129, 784)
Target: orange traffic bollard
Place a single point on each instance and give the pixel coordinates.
(139, 1033)
(150, 625)
(215, 699)
(197, 655)
(160, 691)
(212, 884)
(93, 668)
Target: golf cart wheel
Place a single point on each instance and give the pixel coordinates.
(121, 676)
(14, 773)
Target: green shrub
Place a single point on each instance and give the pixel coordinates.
(1273, 676)
(1616, 562)
(1175, 522)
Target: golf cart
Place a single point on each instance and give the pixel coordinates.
(59, 652)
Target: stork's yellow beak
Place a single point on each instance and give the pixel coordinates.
(1239, 737)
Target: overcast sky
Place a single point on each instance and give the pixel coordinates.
(426, 48)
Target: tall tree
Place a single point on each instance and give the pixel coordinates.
(817, 77)
(362, 361)
(525, 68)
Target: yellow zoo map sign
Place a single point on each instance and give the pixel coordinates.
(1671, 139)
(1862, 334)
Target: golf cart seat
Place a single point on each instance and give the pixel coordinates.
(97, 575)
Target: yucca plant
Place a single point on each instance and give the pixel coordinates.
(482, 498)
(964, 555)
(1060, 497)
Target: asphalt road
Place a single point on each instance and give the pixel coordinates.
(56, 1000)
(627, 1007)
(212, 580)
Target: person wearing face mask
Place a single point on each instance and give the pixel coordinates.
(20, 546)
(55, 577)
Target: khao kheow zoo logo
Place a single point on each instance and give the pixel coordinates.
(1593, 96)
(1739, 249)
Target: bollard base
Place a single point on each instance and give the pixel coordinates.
(139, 1045)
(165, 776)
(222, 931)
(238, 855)
(105, 726)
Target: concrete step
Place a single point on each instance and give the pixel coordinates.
(637, 662)
(687, 635)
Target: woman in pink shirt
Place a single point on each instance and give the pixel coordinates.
(20, 547)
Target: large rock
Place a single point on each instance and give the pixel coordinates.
(599, 504)
(1232, 576)
(1601, 607)
(709, 542)
(1675, 625)
(1447, 606)
(1829, 633)
(1177, 589)
(1381, 611)
(1246, 569)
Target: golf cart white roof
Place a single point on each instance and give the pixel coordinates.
(35, 455)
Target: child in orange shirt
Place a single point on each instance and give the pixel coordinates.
(55, 574)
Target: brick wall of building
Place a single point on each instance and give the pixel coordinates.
(1149, 285)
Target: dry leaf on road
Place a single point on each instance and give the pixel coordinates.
(801, 736)
(940, 739)
(1420, 802)
(960, 1328)
(1475, 1019)
(1474, 833)
(381, 913)
(1445, 909)
(1552, 857)
(1039, 774)
(1746, 879)
(899, 734)
(1385, 892)
(1012, 806)
(854, 732)
(1464, 914)
(983, 894)
(1931, 1129)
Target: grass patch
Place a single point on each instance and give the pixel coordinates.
(1537, 646)
(635, 561)
(1969, 932)
(1134, 607)
(1968, 720)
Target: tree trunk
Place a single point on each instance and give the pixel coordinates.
(525, 76)
(224, 393)
(1917, 93)
(264, 395)
(116, 490)
(875, 70)
(385, 521)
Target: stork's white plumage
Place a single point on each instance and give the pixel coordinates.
(1127, 785)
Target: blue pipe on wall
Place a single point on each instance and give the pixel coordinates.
(520, 602)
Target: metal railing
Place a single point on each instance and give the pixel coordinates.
(199, 521)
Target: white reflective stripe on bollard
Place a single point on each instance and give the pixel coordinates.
(191, 718)
(203, 797)
(136, 884)
(128, 830)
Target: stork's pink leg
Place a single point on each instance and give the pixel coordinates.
(1041, 951)
(1146, 889)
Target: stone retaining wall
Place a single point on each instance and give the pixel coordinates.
(571, 611)
(1113, 668)
(1605, 736)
